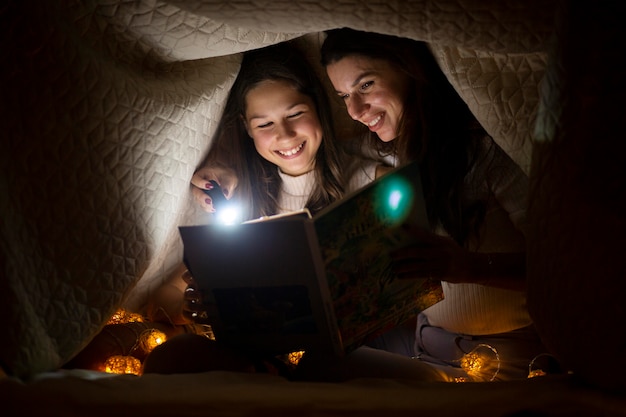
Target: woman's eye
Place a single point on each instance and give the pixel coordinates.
(266, 124)
(366, 85)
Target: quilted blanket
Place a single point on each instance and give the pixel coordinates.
(108, 107)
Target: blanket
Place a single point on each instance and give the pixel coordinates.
(109, 106)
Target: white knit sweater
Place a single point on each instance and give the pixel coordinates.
(476, 309)
(295, 191)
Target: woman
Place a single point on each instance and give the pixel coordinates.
(475, 197)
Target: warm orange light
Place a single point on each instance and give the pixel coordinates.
(151, 338)
(122, 316)
(473, 363)
(482, 363)
(536, 372)
(120, 364)
(294, 357)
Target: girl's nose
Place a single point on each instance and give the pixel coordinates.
(285, 130)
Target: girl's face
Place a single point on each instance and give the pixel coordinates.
(373, 90)
(284, 126)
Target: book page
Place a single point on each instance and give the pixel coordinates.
(355, 237)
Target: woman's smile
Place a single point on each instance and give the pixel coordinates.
(373, 91)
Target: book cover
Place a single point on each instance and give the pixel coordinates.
(292, 282)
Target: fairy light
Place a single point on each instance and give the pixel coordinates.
(532, 373)
(479, 362)
(473, 362)
(536, 372)
(122, 316)
(122, 364)
(294, 357)
(130, 360)
(151, 338)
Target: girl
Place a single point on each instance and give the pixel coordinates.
(274, 151)
(275, 148)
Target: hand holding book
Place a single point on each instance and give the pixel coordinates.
(429, 255)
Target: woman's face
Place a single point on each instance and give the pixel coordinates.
(373, 90)
(284, 126)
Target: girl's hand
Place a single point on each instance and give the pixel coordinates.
(225, 177)
(432, 256)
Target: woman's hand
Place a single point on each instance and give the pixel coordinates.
(225, 177)
(432, 256)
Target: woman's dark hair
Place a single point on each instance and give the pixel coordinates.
(436, 127)
(232, 147)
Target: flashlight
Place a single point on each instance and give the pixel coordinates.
(226, 213)
(217, 196)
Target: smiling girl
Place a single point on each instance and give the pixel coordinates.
(275, 149)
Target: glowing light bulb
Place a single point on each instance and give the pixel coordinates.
(482, 363)
(151, 338)
(122, 316)
(473, 363)
(120, 364)
(294, 357)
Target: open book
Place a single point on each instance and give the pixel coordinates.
(294, 282)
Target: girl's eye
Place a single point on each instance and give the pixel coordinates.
(343, 96)
(296, 114)
(266, 124)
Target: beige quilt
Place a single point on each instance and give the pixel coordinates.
(108, 106)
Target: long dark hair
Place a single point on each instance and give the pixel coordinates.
(232, 147)
(436, 127)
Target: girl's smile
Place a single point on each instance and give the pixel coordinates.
(284, 125)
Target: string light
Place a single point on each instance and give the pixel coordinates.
(151, 338)
(129, 362)
(122, 364)
(533, 373)
(294, 357)
(480, 362)
(145, 339)
(122, 316)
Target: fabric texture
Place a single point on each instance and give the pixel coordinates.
(295, 191)
(108, 107)
(475, 309)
